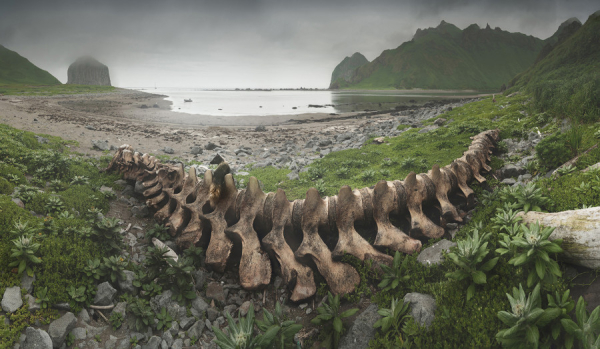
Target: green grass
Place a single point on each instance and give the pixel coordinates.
(567, 81)
(51, 90)
(440, 146)
(15, 69)
(449, 58)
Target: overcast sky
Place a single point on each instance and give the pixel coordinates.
(246, 43)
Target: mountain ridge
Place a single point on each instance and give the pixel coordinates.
(16, 69)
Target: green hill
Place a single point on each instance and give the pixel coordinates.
(447, 57)
(16, 69)
(567, 80)
(343, 71)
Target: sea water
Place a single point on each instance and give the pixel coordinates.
(293, 102)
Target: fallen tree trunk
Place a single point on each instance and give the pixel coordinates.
(579, 230)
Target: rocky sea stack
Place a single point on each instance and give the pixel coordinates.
(88, 71)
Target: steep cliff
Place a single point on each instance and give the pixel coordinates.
(16, 69)
(343, 71)
(88, 71)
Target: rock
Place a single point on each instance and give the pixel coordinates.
(212, 314)
(186, 323)
(292, 176)
(245, 307)
(325, 143)
(79, 333)
(509, 181)
(200, 278)
(60, 327)
(260, 128)
(140, 211)
(178, 344)
(33, 306)
(153, 343)
(210, 146)
(126, 285)
(422, 307)
(163, 300)
(199, 307)
(433, 254)
(196, 330)
(84, 315)
(11, 301)
(176, 311)
(100, 145)
(111, 342)
(18, 202)
(88, 71)
(512, 171)
(217, 159)
(379, 140)
(214, 290)
(168, 338)
(121, 308)
(361, 331)
(42, 140)
(36, 339)
(229, 309)
(440, 121)
(27, 282)
(579, 230)
(105, 294)
(196, 150)
(426, 129)
(168, 150)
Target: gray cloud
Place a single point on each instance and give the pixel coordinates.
(259, 43)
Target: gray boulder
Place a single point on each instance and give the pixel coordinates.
(178, 344)
(11, 301)
(196, 329)
(27, 282)
(153, 343)
(59, 328)
(214, 290)
(210, 146)
(168, 150)
(433, 254)
(196, 151)
(33, 306)
(163, 300)
(199, 306)
(422, 307)
(105, 294)
(260, 128)
(36, 339)
(100, 145)
(140, 211)
(512, 171)
(200, 278)
(361, 331)
(126, 285)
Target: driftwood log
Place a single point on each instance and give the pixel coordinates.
(312, 232)
(579, 230)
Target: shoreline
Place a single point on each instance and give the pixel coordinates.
(116, 118)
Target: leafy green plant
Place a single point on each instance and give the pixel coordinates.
(552, 151)
(23, 229)
(385, 172)
(13, 178)
(574, 138)
(367, 175)
(57, 185)
(525, 319)
(408, 163)
(342, 172)
(534, 248)
(329, 315)
(143, 314)
(467, 255)
(565, 304)
(158, 231)
(155, 262)
(320, 186)
(315, 172)
(393, 276)
(24, 254)
(133, 341)
(41, 297)
(80, 180)
(152, 289)
(77, 294)
(563, 171)
(164, 319)
(387, 162)
(54, 205)
(25, 192)
(116, 320)
(70, 339)
(195, 254)
(393, 319)
(108, 232)
(93, 269)
(587, 327)
(179, 273)
(526, 197)
(287, 328)
(240, 335)
(113, 267)
(505, 220)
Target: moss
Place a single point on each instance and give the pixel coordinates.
(6, 187)
(81, 198)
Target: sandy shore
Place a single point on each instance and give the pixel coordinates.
(118, 118)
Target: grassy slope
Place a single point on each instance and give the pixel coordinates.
(448, 58)
(52, 90)
(15, 69)
(567, 81)
(348, 64)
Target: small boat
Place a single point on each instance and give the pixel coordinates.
(187, 100)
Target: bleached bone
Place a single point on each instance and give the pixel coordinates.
(193, 215)
(170, 253)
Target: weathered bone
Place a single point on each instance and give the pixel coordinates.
(340, 277)
(255, 267)
(193, 215)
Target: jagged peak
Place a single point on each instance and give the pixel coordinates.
(473, 26)
(487, 26)
(442, 23)
(569, 21)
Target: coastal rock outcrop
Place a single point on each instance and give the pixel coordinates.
(88, 71)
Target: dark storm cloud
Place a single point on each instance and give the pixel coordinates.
(246, 43)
